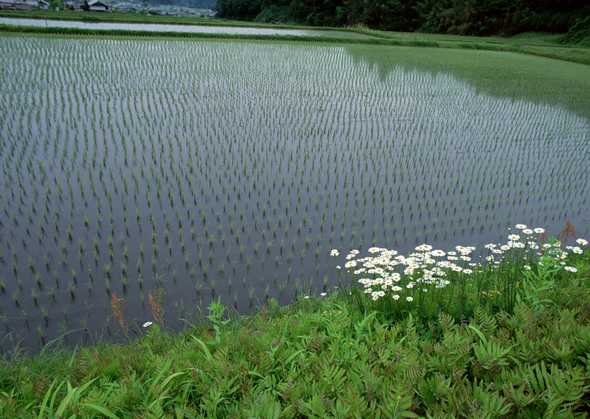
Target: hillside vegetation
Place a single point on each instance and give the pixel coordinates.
(464, 17)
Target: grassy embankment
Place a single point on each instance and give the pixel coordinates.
(513, 340)
(546, 45)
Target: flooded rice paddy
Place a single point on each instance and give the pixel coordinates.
(178, 172)
(170, 28)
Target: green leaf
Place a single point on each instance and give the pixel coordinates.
(100, 409)
(204, 347)
(478, 333)
(48, 394)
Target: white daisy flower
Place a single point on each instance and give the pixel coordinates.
(424, 248)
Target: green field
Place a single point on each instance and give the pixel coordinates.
(547, 45)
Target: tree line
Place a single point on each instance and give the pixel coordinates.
(464, 17)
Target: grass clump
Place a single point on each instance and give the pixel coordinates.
(518, 351)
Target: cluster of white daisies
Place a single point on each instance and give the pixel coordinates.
(385, 272)
(530, 243)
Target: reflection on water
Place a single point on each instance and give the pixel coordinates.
(169, 28)
(501, 74)
(197, 170)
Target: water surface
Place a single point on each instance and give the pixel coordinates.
(170, 28)
(190, 171)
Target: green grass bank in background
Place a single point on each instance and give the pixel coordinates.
(558, 46)
(510, 338)
(577, 55)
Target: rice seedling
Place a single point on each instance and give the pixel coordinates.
(241, 169)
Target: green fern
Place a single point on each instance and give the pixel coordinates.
(490, 404)
(433, 390)
(484, 321)
(446, 322)
(265, 406)
(491, 355)
(398, 405)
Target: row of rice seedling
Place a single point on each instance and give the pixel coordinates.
(225, 170)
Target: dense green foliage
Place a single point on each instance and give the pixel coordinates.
(469, 17)
(525, 356)
(580, 32)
